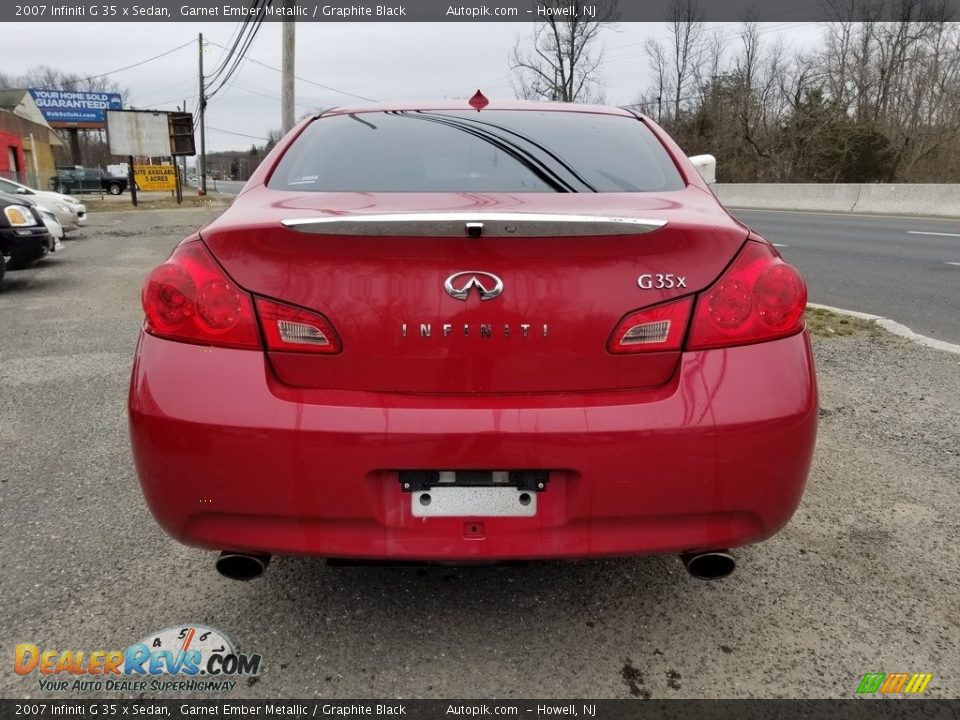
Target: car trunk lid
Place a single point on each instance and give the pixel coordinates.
(505, 295)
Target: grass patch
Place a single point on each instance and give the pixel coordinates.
(189, 202)
(826, 323)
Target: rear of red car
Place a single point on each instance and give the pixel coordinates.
(449, 335)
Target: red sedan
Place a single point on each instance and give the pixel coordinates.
(468, 333)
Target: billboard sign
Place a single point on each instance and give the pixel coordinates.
(138, 133)
(70, 108)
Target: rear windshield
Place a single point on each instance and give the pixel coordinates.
(491, 151)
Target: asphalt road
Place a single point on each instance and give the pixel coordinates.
(226, 187)
(906, 269)
(864, 579)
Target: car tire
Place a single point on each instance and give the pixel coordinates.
(114, 188)
(3, 268)
(61, 188)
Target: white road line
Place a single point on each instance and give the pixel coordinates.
(780, 245)
(953, 263)
(924, 232)
(847, 214)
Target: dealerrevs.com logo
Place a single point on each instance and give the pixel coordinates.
(188, 658)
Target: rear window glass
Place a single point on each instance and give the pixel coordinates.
(491, 151)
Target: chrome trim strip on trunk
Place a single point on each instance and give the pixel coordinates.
(465, 224)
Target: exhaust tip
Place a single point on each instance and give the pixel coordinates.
(242, 566)
(709, 565)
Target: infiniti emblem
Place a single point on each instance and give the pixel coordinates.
(460, 284)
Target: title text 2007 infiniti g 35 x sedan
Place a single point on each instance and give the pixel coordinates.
(466, 333)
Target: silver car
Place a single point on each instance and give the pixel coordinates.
(70, 212)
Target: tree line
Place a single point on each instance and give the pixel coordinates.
(871, 102)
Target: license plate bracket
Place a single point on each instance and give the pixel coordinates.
(531, 481)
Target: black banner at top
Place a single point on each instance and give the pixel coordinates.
(458, 11)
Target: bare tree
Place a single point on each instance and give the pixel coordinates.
(687, 35)
(678, 63)
(562, 61)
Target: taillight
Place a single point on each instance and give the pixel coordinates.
(652, 329)
(758, 298)
(191, 299)
(293, 329)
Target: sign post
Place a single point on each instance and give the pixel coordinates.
(133, 180)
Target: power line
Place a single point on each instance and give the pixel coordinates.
(241, 54)
(272, 96)
(232, 132)
(140, 98)
(137, 64)
(235, 40)
(303, 79)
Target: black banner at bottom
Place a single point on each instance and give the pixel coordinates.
(446, 709)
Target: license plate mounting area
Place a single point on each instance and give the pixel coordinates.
(526, 480)
(473, 493)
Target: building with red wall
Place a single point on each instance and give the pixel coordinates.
(26, 141)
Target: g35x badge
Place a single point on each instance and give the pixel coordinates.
(661, 281)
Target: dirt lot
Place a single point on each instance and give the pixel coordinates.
(865, 578)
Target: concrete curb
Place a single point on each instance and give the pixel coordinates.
(916, 200)
(892, 326)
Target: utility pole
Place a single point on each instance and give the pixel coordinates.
(203, 127)
(286, 82)
(183, 159)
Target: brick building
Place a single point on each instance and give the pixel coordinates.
(26, 141)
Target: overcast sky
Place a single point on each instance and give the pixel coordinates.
(383, 61)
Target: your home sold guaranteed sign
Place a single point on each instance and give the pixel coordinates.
(67, 108)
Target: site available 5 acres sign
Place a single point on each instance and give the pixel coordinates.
(155, 177)
(69, 108)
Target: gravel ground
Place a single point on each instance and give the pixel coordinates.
(863, 580)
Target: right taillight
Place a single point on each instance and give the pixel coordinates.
(758, 298)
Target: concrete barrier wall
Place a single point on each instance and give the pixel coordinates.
(901, 199)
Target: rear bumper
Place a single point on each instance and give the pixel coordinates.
(70, 222)
(230, 459)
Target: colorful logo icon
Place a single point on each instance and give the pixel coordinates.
(894, 683)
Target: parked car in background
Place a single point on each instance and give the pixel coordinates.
(470, 333)
(81, 180)
(53, 227)
(49, 220)
(70, 212)
(24, 237)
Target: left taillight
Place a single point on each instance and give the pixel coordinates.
(190, 298)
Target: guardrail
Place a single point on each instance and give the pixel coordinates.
(926, 200)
